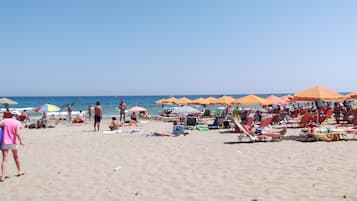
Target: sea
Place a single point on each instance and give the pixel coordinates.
(108, 103)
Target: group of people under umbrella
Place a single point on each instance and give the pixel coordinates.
(314, 94)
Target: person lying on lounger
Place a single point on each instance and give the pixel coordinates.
(324, 134)
(257, 131)
(177, 130)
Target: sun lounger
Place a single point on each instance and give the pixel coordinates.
(264, 136)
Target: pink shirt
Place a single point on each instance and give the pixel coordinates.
(9, 127)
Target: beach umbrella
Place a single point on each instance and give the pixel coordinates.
(318, 93)
(224, 100)
(352, 95)
(252, 100)
(161, 101)
(185, 110)
(47, 108)
(137, 109)
(7, 102)
(276, 100)
(200, 101)
(182, 101)
(211, 100)
(287, 98)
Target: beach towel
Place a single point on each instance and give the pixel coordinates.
(201, 128)
(111, 132)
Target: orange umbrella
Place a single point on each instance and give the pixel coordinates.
(200, 101)
(161, 101)
(352, 95)
(319, 93)
(183, 101)
(225, 100)
(276, 100)
(170, 100)
(252, 100)
(211, 100)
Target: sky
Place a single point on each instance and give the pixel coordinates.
(173, 47)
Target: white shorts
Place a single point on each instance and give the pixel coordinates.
(9, 146)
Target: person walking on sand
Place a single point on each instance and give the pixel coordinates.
(98, 113)
(11, 138)
(122, 108)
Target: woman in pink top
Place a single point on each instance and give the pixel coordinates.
(10, 141)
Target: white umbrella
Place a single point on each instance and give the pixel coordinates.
(186, 110)
(137, 109)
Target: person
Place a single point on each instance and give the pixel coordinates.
(69, 112)
(89, 112)
(25, 115)
(41, 123)
(122, 108)
(323, 135)
(144, 114)
(177, 130)
(114, 124)
(337, 112)
(98, 113)
(133, 117)
(10, 141)
(79, 118)
(52, 118)
(7, 114)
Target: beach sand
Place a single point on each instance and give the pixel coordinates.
(74, 163)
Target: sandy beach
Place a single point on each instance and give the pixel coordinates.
(74, 163)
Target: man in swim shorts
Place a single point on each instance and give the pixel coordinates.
(98, 112)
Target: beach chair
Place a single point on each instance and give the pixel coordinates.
(265, 136)
(191, 122)
(217, 123)
(303, 122)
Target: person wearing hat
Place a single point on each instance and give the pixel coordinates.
(10, 141)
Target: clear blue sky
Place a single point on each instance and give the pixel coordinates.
(150, 47)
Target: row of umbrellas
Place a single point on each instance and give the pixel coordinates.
(317, 93)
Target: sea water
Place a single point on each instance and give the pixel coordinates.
(108, 103)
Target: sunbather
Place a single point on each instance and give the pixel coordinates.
(114, 125)
(177, 130)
